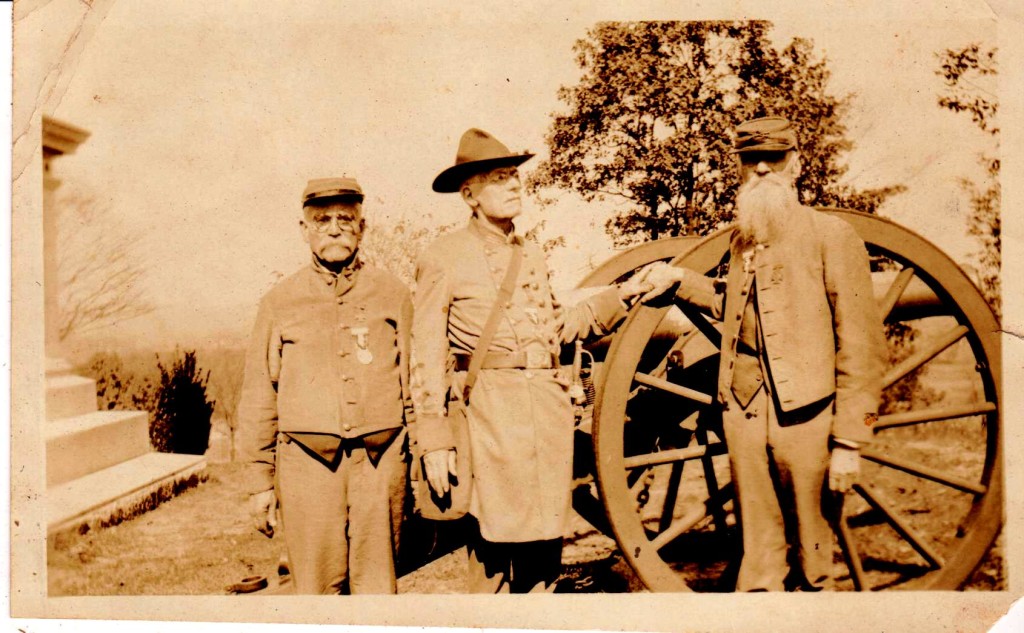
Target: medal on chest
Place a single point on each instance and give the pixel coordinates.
(361, 336)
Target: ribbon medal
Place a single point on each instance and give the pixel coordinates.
(363, 354)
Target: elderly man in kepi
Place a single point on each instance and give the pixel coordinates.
(520, 416)
(324, 404)
(802, 360)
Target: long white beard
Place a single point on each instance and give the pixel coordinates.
(764, 207)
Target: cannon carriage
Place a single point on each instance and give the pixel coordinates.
(653, 470)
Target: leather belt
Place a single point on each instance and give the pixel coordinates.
(511, 360)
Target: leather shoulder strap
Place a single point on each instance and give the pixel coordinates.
(476, 361)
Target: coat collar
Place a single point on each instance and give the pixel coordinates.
(341, 282)
(491, 234)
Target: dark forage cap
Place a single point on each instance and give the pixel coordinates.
(478, 152)
(767, 134)
(343, 187)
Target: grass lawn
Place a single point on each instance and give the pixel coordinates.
(201, 541)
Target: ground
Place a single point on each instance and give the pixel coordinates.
(201, 542)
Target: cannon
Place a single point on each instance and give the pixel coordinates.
(653, 469)
(651, 466)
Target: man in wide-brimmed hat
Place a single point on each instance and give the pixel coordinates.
(802, 360)
(324, 404)
(520, 415)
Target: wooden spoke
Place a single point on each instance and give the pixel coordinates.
(664, 385)
(701, 323)
(710, 478)
(693, 517)
(671, 495)
(933, 415)
(877, 501)
(679, 526)
(849, 547)
(676, 455)
(925, 355)
(895, 291)
(922, 471)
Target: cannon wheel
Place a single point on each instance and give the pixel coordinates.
(929, 504)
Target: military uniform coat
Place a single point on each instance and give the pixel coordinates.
(327, 357)
(520, 420)
(818, 319)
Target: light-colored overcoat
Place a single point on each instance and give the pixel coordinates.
(520, 420)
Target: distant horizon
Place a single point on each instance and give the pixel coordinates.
(210, 131)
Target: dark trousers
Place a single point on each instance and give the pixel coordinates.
(529, 567)
(341, 520)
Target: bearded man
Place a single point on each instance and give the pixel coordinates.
(801, 364)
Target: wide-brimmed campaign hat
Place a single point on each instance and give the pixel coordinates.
(332, 188)
(478, 152)
(767, 134)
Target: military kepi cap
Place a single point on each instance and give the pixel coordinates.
(478, 152)
(767, 134)
(332, 188)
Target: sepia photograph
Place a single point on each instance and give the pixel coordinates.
(428, 305)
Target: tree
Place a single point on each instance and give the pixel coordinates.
(99, 268)
(968, 74)
(649, 123)
(394, 246)
(227, 371)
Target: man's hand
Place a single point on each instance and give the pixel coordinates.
(844, 471)
(661, 278)
(438, 466)
(263, 509)
(641, 284)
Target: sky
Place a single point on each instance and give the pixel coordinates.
(207, 119)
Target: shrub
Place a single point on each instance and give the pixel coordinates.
(120, 387)
(181, 420)
(174, 395)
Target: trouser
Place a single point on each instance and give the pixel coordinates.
(779, 461)
(529, 567)
(341, 521)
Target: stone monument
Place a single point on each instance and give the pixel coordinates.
(99, 464)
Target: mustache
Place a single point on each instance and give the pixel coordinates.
(768, 180)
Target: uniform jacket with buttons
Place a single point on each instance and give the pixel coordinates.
(520, 420)
(819, 323)
(327, 356)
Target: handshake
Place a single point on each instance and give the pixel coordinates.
(651, 282)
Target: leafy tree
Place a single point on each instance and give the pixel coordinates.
(649, 123)
(968, 74)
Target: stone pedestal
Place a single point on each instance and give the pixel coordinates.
(99, 464)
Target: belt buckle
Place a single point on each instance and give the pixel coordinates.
(536, 359)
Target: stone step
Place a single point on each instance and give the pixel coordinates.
(68, 395)
(87, 443)
(122, 491)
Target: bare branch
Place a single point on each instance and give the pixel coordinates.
(100, 268)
